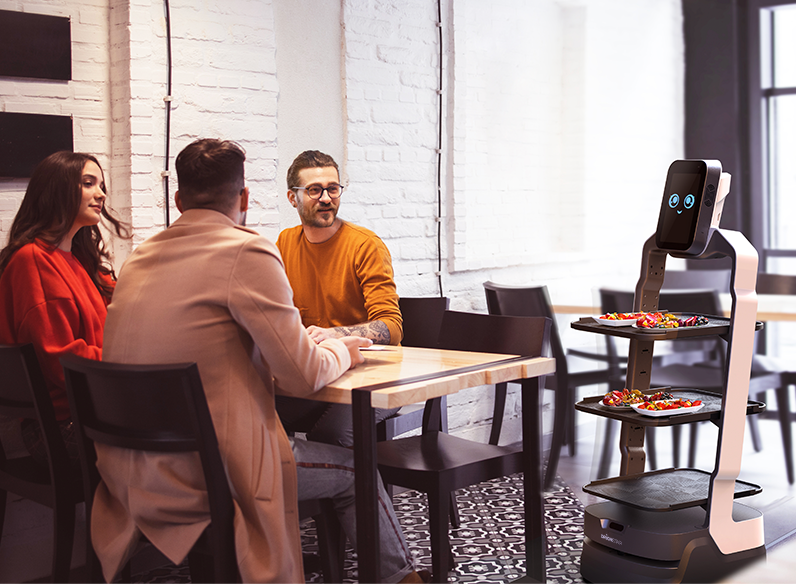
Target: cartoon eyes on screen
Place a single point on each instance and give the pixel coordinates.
(688, 202)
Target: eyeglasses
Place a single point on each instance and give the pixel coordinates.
(316, 191)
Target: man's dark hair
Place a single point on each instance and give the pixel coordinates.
(308, 159)
(210, 174)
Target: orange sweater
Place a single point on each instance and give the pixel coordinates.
(344, 281)
(48, 299)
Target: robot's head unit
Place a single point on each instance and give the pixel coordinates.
(692, 202)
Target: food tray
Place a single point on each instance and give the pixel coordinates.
(663, 490)
(711, 409)
(717, 325)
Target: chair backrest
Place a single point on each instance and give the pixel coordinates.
(23, 394)
(529, 301)
(422, 318)
(156, 408)
(697, 279)
(490, 333)
(778, 284)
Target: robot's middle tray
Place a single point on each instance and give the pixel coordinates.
(663, 490)
(717, 325)
(710, 411)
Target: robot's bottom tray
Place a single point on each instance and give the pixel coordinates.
(663, 490)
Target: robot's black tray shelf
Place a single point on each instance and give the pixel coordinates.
(663, 490)
(717, 325)
(710, 411)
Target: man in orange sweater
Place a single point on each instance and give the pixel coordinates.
(342, 281)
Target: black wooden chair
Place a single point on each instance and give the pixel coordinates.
(422, 318)
(535, 301)
(23, 394)
(162, 408)
(437, 463)
(780, 285)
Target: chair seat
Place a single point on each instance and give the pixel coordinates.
(28, 476)
(452, 461)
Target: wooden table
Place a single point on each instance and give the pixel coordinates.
(398, 376)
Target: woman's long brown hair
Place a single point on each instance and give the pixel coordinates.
(49, 209)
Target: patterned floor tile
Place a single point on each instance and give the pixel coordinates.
(489, 545)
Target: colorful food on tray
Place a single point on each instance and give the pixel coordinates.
(627, 397)
(621, 315)
(669, 404)
(661, 320)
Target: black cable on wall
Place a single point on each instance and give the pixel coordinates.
(167, 99)
(439, 155)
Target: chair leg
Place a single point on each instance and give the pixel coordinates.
(676, 434)
(754, 432)
(63, 537)
(501, 389)
(572, 429)
(609, 445)
(438, 532)
(783, 411)
(456, 521)
(692, 445)
(560, 425)
(652, 457)
(331, 543)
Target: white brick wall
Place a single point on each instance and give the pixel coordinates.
(559, 115)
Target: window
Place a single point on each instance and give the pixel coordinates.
(774, 89)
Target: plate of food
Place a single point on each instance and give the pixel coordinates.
(669, 407)
(628, 397)
(618, 318)
(659, 321)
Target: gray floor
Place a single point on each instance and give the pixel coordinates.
(765, 468)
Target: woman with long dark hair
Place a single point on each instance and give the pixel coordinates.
(55, 275)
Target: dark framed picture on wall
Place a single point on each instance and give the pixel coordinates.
(27, 139)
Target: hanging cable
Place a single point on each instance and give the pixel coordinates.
(439, 155)
(167, 99)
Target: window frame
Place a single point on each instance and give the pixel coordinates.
(757, 98)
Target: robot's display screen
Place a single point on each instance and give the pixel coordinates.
(680, 209)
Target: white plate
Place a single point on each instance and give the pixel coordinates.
(659, 413)
(607, 322)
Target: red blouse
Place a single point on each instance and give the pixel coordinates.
(48, 299)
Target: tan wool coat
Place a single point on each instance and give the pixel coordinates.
(208, 291)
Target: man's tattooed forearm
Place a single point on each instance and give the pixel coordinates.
(375, 330)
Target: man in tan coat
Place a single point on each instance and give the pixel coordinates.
(211, 291)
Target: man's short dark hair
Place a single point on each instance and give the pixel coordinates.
(210, 174)
(308, 159)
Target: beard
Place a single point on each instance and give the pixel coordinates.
(318, 216)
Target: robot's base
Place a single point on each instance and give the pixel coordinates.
(624, 544)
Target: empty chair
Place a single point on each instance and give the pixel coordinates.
(535, 301)
(780, 285)
(422, 318)
(23, 394)
(437, 463)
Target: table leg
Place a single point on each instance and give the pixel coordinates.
(535, 538)
(368, 552)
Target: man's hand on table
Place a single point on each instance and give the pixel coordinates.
(353, 345)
